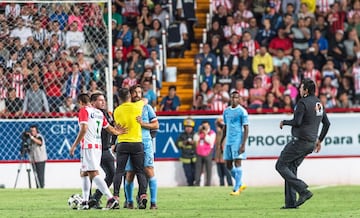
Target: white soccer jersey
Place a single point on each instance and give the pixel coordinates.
(95, 120)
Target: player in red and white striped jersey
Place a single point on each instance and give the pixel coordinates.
(91, 121)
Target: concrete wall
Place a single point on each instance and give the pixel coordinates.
(315, 171)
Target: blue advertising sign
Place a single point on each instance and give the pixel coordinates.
(60, 133)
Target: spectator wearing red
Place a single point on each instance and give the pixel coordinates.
(136, 45)
(227, 4)
(53, 81)
(281, 41)
(313, 74)
(64, 61)
(17, 81)
(130, 80)
(277, 88)
(252, 45)
(218, 99)
(234, 45)
(243, 11)
(43, 17)
(329, 91)
(336, 18)
(243, 92)
(232, 27)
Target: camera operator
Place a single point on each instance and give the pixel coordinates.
(205, 141)
(186, 144)
(37, 154)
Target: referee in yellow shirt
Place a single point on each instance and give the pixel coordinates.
(130, 144)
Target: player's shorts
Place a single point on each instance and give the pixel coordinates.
(148, 157)
(231, 152)
(90, 159)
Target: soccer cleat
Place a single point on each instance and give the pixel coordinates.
(84, 206)
(142, 201)
(94, 204)
(235, 193)
(112, 203)
(153, 206)
(243, 187)
(303, 197)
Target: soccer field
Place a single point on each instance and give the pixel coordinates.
(333, 201)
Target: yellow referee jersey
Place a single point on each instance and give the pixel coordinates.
(125, 115)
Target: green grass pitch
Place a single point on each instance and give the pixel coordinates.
(332, 201)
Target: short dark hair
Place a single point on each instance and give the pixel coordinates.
(83, 97)
(94, 96)
(132, 88)
(124, 94)
(309, 85)
(35, 127)
(172, 87)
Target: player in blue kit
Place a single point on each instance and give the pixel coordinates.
(148, 122)
(236, 131)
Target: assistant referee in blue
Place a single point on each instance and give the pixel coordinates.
(308, 114)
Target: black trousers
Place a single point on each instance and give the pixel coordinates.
(40, 172)
(107, 164)
(287, 164)
(202, 161)
(134, 151)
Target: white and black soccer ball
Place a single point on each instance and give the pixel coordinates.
(74, 201)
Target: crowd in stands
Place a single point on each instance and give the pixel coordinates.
(263, 49)
(49, 53)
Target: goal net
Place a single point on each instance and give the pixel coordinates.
(50, 51)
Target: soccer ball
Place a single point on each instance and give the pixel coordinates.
(74, 201)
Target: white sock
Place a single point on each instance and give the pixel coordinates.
(85, 186)
(100, 183)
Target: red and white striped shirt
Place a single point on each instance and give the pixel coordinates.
(324, 5)
(234, 29)
(217, 103)
(3, 88)
(252, 45)
(95, 121)
(313, 74)
(17, 82)
(226, 3)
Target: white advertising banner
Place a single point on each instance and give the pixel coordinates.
(266, 139)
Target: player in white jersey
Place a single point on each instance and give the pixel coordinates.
(91, 121)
